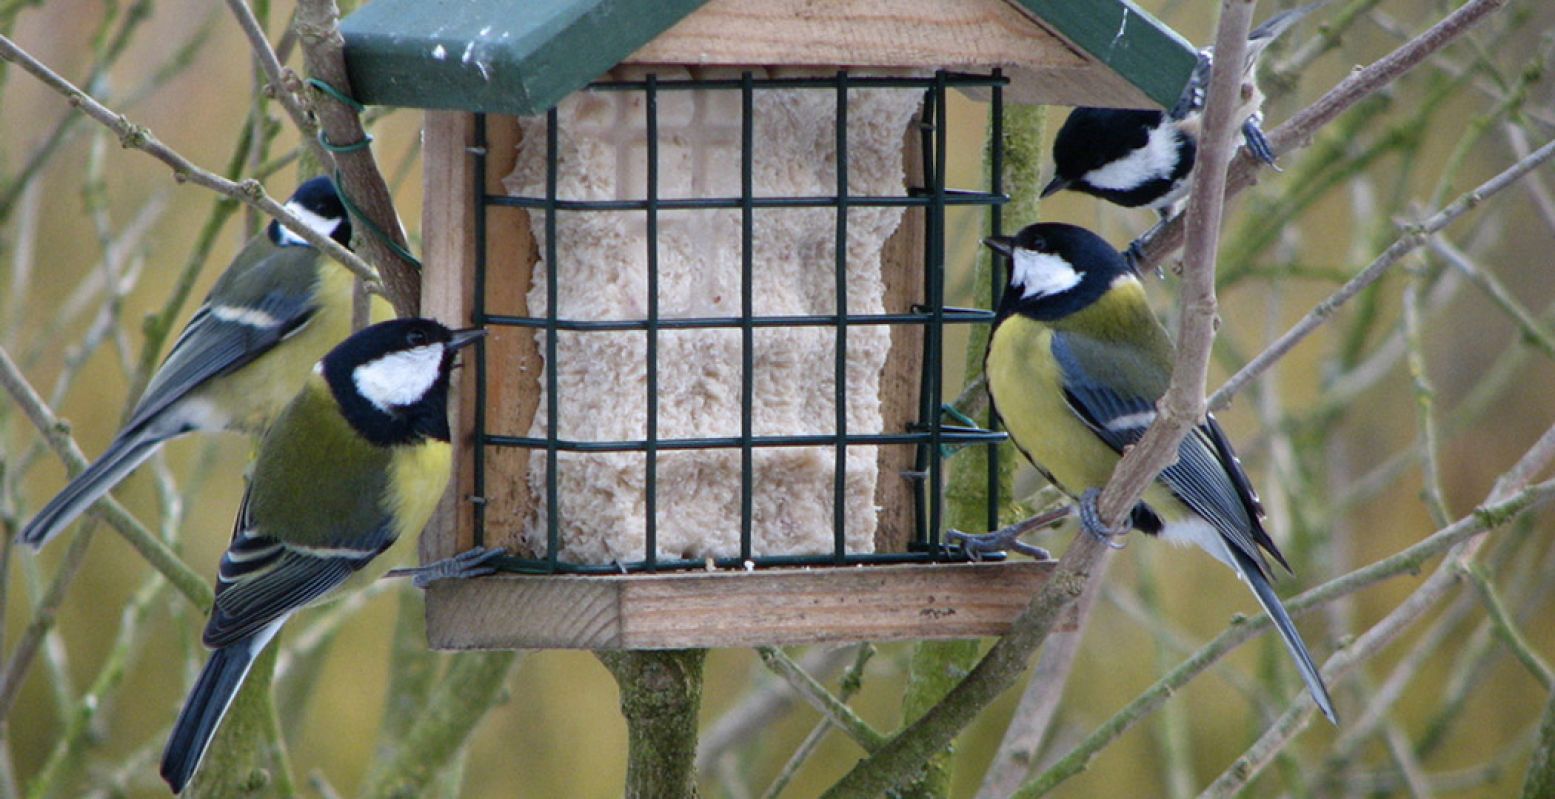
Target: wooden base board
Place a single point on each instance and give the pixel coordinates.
(733, 608)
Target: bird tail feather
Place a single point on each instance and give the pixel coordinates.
(1287, 629)
(208, 701)
(123, 455)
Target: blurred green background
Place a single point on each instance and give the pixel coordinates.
(559, 732)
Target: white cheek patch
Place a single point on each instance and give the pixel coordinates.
(324, 226)
(399, 378)
(1154, 161)
(1040, 274)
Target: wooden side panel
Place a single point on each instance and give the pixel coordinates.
(735, 609)
(514, 368)
(447, 293)
(901, 264)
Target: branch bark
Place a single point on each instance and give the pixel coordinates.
(661, 692)
(1180, 410)
(1297, 131)
(133, 136)
(323, 54)
(1413, 237)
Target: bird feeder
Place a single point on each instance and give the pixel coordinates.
(707, 240)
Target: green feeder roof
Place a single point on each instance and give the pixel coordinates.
(523, 58)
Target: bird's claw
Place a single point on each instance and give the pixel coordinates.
(996, 542)
(1258, 144)
(1091, 521)
(476, 562)
(1135, 254)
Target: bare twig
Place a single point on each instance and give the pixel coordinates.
(1181, 409)
(1506, 629)
(834, 709)
(1413, 237)
(150, 547)
(1297, 131)
(317, 26)
(265, 55)
(1038, 705)
(1503, 505)
(851, 682)
(761, 706)
(248, 192)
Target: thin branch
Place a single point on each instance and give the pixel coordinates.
(851, 682)
(150, 547)
(760, 706)
(248, 192)
(1413, 237)
(1506, 629)
(274, 74)
(1533, 330)
(834, 709)
(1297, 131)
(323, 48)
(1262, 752)
(1181, 409)
(1501, 508)
(1038, 705)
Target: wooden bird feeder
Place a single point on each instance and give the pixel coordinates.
(707, 240)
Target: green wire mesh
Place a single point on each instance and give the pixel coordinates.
(930, 437)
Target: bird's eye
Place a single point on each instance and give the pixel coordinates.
(416, 338)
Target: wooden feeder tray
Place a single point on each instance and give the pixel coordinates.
(730, 608)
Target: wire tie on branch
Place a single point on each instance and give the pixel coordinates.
(340, 186)
(340, 96)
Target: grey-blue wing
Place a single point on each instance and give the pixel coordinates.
(262, 579)
(1206, 477)
(221, 339)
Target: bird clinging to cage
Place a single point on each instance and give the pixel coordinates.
(358, 459)
(1075, 365)
(276, 310)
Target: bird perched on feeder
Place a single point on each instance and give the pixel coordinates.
(1134, 157)
(358, 459)
(276, 310)
(1075, 365)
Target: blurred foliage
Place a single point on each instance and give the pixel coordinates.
(100, 253)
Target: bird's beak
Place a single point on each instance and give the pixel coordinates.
(1057, 185)
(464, 338)
(1003, 245)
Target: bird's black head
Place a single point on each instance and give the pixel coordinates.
(320, 207)
(391, 379)
(1055, 270)
(1130, 157)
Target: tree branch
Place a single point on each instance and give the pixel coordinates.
(323, 55)
(1413, 237)
(132, 136)
(1181, 409)
(275, 74)
(1297, 131)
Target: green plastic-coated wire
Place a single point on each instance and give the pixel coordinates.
(340, 188)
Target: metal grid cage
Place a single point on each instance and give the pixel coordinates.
(931, 439)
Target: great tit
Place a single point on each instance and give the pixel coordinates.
(1075, 365)
(276, 310)
(1134, 158)
(358, 459)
